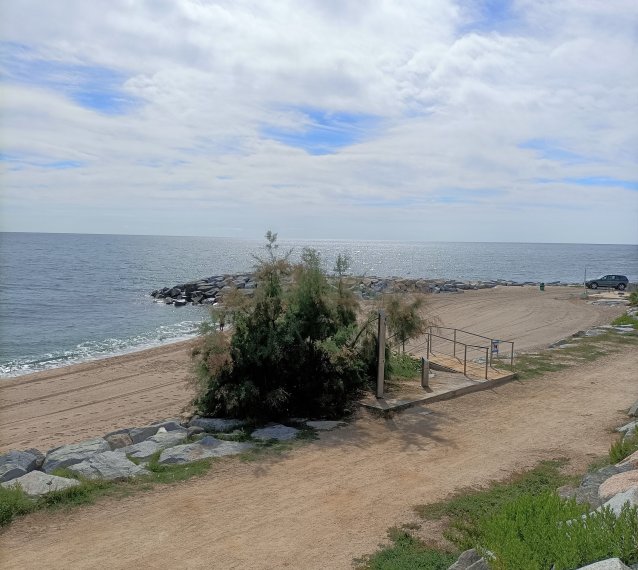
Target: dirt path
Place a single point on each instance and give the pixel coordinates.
(333, 500)
(70, 404)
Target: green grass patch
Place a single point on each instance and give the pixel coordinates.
(464, 510)
(626, 320)
(406, 553)
(577, 350)
(403, 365)
(13, 503)
(533, 532)
(624, 447)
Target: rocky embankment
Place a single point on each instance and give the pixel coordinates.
(126, 453)
(211, 290)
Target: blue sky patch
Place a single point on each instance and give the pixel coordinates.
(92, 87)
(603, 181)
(324, 132)
(491, 15)
(18, 162)
(551, 150)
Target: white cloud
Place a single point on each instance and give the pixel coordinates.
(449, 156)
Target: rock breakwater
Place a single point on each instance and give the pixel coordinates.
(211, 290)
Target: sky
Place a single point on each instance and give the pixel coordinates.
(430, 120)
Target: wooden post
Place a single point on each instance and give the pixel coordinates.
(512, 357)
(491, 345)
(454, 353)
(381, 340)
(425, 373)
(487, 356)
(465, 362)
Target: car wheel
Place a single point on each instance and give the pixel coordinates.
(621, 286)
(594, 285)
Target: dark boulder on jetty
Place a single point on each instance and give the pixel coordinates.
(211, 290)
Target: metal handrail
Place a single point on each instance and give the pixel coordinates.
(470, 333)
(457, 341)
(488, 354)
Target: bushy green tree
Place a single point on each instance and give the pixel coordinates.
(405, 320)
(292, 350)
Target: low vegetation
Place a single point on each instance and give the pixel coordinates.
(626, 320)
(574, 351)
(14, 502)
(533, 532)
(406, 553)
(624, 447)
(465, 510)
(521, 523)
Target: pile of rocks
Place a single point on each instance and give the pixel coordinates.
(125, 453)
(211, 290)
(612, 486)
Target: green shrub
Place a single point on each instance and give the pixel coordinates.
(402, 365)
(294, 351)
(14, 502)
(538, 532)
(626, 320)
(407, 553)
(633, 299)
(465, 510)
(624, 447)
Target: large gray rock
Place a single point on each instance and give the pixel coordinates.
(144, 450)
(109, 465)
(466, 560)
(142, 433)
(275, 431)
(324, 425)
(75, 453)
(609, 564)
(628, 429)
(118, 440)
(37, 483)
(216, 424)
(207, 447)
(587, 491)
(17, 463)
(618, 501)
(170, 425)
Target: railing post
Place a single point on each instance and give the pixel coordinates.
(427, 344)
(425, 373)
(491, 344)
(465, 362)
(512, 357)
(381, 340)
(486, 360)
(454, 354)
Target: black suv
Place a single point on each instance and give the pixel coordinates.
(619, 282)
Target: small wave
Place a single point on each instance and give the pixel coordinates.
(95, 350)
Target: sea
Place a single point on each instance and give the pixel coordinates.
(69, 298)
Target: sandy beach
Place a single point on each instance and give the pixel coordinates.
(73, 403)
